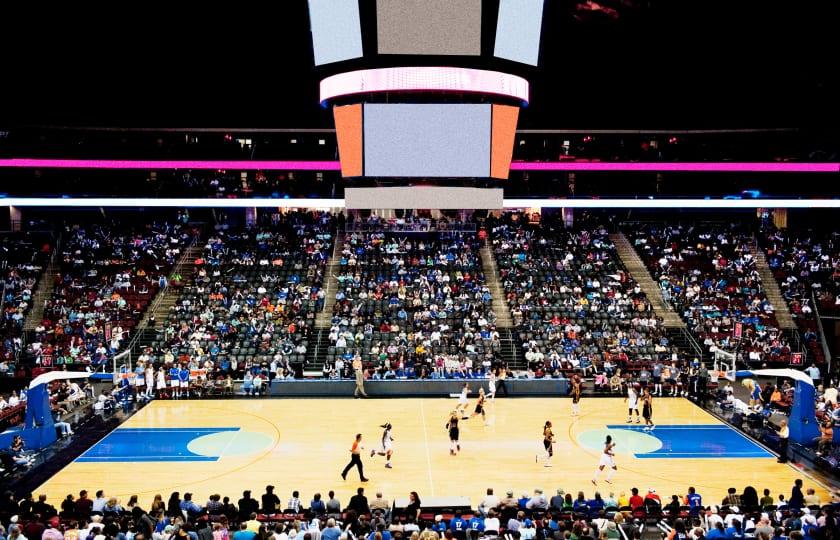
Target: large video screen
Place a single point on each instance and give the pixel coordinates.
(518, 30)
(427, 140)
(336, 30)
(440, 27)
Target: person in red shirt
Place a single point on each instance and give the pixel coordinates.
(636, 500)
(651, 494)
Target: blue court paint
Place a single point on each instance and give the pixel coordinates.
(698, 442)
(150, 444)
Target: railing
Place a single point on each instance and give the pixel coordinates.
(823, 342)
(698, 350)
(410, 227)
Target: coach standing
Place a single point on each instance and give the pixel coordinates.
(784, 435)
(360, 378)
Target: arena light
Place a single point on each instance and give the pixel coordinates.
(422, 79)
(194, 202)
(618, 166)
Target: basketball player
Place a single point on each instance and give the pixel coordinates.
(479, 406)
(355, 459)
(387, 445)
(454, 433)
(161, 382)
(606, 461)
(174, 382)
(632, 399)
(647, 410)
(548, 444)
(463, 402)
(576, 390)
(491, 383)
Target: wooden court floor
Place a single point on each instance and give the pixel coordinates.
(225, 447)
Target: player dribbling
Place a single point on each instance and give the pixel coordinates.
(606, 461)
(387, 449)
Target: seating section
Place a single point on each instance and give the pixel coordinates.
(23, 257)
(573, 304)
(254, 296)
(412, 305)
(807, 267)
(709, 275)
(108, 275)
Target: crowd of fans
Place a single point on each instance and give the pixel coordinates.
(709, 275)
(23, 257)
(807, 266)
(562, 516)
(412, 305)
(573, 305)
(108, 275)
(249, 309)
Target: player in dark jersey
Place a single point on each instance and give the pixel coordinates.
(647, 410)
(548, 444)
(454, 433)
(577, 388)
(479, 406)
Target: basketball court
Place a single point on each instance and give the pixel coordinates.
(228, 446)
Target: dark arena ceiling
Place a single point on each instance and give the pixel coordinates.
(603, 64)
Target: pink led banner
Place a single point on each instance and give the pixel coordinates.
(675, 167)
(169, 164)
(422, 79)
(768, 167)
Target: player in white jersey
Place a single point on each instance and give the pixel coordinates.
(387, 449)
(491, 383)
(150, 381)
(606, 461)
(632, 399)
(463, 402)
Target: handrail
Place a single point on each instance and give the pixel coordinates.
(3, 297)
(158, 299)
(823, 342)
(693, 342)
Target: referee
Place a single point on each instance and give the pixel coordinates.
(355, 459)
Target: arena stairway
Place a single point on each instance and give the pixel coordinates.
(322, 320)
(682, 339)
(639, 272)
(511, 351)
(146, 334)
(771, 289)
(167, 298)
(45, 287)
(491, 276)
(313, 363)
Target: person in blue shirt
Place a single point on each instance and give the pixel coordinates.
(243, 533)
(439, 526)
(476, 524)
(174, 384)
(695, 501)
(717, 533)
(188, 506)
(458, 525)
(184, 381)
